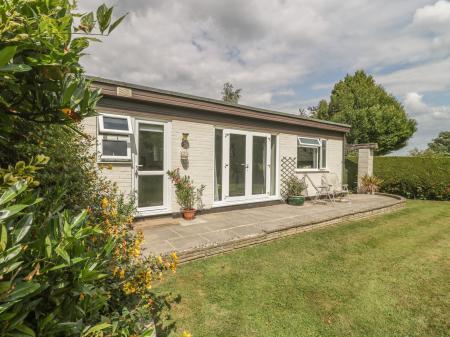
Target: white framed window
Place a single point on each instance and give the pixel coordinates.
(114, 124)
(311, 153)
(114, 148)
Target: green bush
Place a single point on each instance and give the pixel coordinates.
(51, 264)
(411, 177)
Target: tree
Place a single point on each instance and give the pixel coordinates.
(229, 94)
(375, 115)
(441, 144)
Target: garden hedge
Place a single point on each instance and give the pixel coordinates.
(411, 177)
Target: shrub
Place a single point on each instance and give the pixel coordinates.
(411, 177)
(50, 269)
(187, 195)
(370, 184)
(294, 186)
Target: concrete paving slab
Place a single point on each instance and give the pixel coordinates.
(211, 228)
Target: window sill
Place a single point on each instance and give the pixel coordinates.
(312, 170)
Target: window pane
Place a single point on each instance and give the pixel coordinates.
(273, 165)
(114, 148)
(308, 141)
(218, 165)
(307, 157)
(151, 147)
(150, 191)
(237, 165)
(259, 165)
(323, 161)
(114, 123)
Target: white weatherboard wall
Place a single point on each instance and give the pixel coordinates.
(288, 148)
(200, 165)
(201, 157)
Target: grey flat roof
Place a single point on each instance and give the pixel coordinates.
(208, 100)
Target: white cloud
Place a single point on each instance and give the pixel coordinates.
(276, 49)
(433, 16)
(414, 104)
(430, 119)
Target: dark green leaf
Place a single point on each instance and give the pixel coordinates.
(6, 54)
(13, 192)
(23, 227)
(15, 68)
(116, 23)
(23, 289)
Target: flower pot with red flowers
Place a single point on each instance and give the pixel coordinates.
(187, 194)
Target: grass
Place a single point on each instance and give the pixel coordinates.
(387, 276)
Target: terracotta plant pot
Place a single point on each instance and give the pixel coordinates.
(296, 200)
(189, 214)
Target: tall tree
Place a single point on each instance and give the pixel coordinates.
(229, 94)
(440, 144)
(375, 115)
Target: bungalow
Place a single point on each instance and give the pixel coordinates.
(240, 153)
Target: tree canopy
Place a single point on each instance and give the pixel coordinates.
(375, 115)
(439, 146)
(229, 94)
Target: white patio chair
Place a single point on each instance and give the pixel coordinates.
(322, 190)
(337, 189)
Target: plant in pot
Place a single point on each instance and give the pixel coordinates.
(294, 190)
(187, 194)
(370, 184)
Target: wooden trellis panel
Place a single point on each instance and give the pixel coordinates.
(288, 166)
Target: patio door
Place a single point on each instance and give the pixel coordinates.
(151, 165)
(246, 158)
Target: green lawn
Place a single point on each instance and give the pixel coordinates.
(388, 276)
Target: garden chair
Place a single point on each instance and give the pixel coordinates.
(337, 189)
(322, 190)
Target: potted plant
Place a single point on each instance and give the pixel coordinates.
(370, 184)
(187, 194)
(294, 190)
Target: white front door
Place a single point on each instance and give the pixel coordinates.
(246, 170)
(151, 165)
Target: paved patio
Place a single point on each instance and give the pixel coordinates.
(216, 229)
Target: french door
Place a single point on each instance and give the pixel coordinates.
(151, 165)
(246, 169)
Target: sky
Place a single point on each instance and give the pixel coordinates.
(284, 54)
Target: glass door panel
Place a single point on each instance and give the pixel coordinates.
(259, 165)
(151, 191)
(151, 147)
(150, 166)
(238, 165)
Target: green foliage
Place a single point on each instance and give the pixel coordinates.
(441, 144)
(375, 115)
(50, 266)
(70, 261)
(294, 186)
(411, 177)
(41, 79)
(187, 195)
(229, 94)
(370, 184)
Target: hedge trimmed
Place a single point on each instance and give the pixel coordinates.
(411, 177)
